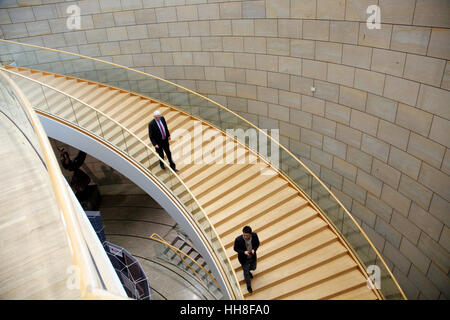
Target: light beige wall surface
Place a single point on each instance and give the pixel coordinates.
(376, 130)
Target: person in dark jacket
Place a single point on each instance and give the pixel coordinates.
(246, 245)
(160, 136)
(80, 180)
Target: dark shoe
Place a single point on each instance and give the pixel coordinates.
(249, 288)
(163, 167)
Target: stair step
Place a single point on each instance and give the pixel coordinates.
(299, 283)
(229, 184)
(176, 122)
(299, 257)
(352, 279)
(361, 293)
(197, 174)
(266, 219)
(113, 102)
(91, 96)
(100, 100)
(283, 240)
(294, 251)
(282, 226)
(283, 271)
(198, 144)
(138, 113)
(222, 214)
(218, 210)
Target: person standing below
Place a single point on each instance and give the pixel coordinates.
(246, 245)
(160, 136)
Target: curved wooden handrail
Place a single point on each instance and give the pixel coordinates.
(134, 163)
(158, 157)
(79, 251)
(253, 126)
(158, 238)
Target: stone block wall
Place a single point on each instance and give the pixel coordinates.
(376, 129)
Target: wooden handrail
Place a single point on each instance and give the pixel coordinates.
(80, 253)
(236, 296)
(158, 238)
(250, 124)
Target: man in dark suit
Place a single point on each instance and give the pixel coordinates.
(246, 245)
(160, 136)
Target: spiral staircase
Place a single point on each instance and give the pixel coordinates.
(303, 253)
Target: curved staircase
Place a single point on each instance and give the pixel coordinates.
(301, 255)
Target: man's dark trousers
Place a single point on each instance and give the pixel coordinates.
(164, 148)
(156, 138)
(248, 266)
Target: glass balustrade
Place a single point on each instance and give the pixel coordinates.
(51, 102)
(97, 278)
(185, 263)
(206, 110)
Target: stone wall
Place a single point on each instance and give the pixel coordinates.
(376, 129)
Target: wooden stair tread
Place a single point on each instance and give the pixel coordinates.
(258, 183)
(294, 250)
(361, 293)
(98, 101)
(197, 159)
(230, 186)
(114, 101)
(217, 213)
(262, 208)
(297, 283)
(348, 280)
(281, 218)
(194, 174)
(282, 226)
(283, 240)
(282, 271)
(300, 256)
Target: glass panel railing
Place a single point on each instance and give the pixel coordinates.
(96, 276)
(166, 252)
(205, 109)
(99, 124)
(11, 107)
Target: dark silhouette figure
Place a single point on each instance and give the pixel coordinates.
(88, 196)
(80, 180)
